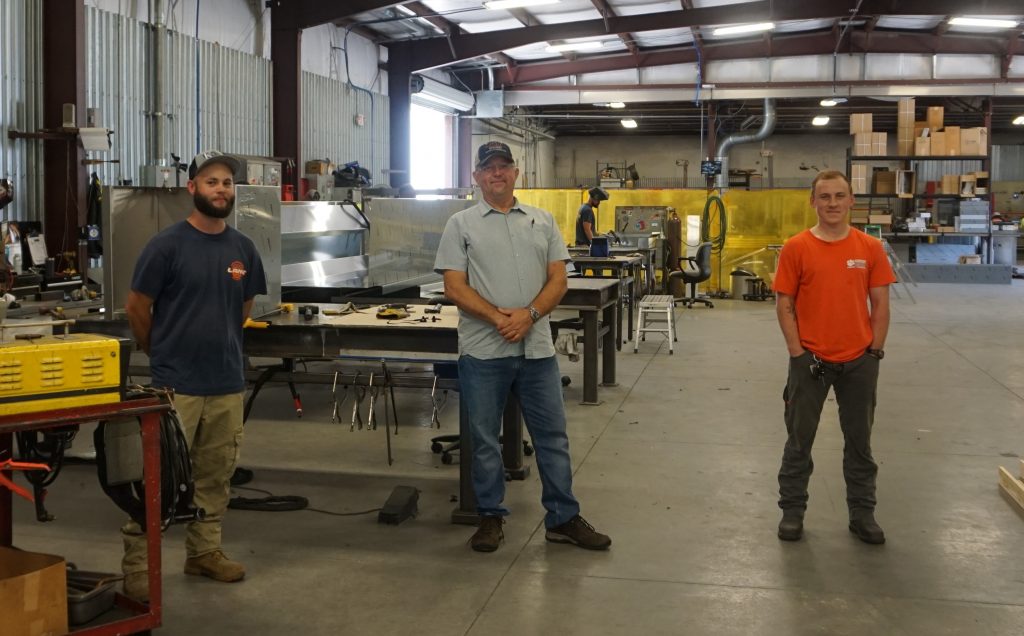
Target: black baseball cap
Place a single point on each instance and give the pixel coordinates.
(210, 157)
(492, 149)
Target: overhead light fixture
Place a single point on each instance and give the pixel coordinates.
(1019, 121)
(990, 23)
(744, 28)
(820, 120)
(427, 91)
(589, 45)
(616, 105)
(833, 101)
(628, 123)
(515, 4)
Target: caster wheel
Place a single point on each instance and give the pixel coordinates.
(446, 458)
(669, 353)
(566, 380)
(711, 305)
(436, 447)
(527, 449)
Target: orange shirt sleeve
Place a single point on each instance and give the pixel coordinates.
(881, 268)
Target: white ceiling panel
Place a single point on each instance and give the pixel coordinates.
(897, 67)
(729, 71)
(801, 69)
(966, 66)
(642, 7)
(796, 26)
(671, 74)
(663, 37)
(912, 22)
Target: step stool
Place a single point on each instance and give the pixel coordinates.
(653, 306)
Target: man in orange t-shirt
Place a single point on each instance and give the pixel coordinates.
(832, 290)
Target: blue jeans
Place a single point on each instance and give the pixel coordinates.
(484, 385)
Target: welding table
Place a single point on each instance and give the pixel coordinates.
(138, 617)
(625, 269)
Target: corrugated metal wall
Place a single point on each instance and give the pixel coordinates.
(21, 97)
(1008, 163)
(233, 93)
(329, 128)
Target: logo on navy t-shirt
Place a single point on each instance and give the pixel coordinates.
(237, 270)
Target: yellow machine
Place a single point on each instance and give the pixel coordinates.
(41, 373)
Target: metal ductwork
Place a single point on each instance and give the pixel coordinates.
(158, 155)
(722, 153)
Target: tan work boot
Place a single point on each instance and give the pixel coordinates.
(136, 586)
(215, 566)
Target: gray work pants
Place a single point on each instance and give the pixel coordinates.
(855, 385)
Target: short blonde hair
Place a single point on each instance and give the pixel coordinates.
(826, 175)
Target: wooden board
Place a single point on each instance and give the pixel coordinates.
(1012, 486)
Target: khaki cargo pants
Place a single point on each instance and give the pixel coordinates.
(213, 430)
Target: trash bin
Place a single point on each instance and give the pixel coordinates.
(739, 278)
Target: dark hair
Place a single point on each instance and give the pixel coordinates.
(826, 175)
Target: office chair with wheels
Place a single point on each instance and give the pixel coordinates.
(693, 270)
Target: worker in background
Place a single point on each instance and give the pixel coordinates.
(191, 291)
(504, 267)
(832, 288)
(586, 220)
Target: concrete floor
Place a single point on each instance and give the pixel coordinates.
(678, 465)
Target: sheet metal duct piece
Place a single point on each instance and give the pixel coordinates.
(323, 244)
(722, 153)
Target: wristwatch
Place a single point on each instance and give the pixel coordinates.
(876, 353)
(534, 314)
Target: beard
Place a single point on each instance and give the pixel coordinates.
(207, 207)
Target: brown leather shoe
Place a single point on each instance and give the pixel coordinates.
(136, 586)
(489, 535)
(215, 565)
(578, 532)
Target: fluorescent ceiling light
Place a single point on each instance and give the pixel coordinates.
(628, 123)
(820, 120)
(515, 4)
(575, 46)
(833, 101)
(983, 22)
(744, 28)
(1019, 121)
(616, 105)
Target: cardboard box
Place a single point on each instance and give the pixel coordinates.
(922, 146)
(950, 184)
(981, 180)
(952, 140)
(860, 123)
(967, 186)
(972, 259)
(859, 178)
(880, 219)
(934, 118)
(862, 144)
(905, 112)
(33, 593)
(906, 183)
(974, 141)
(319, 166)
(879, 144)
(921, 129)
(884, 182)
(938, 144)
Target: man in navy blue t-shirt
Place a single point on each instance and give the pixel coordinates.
(192, 290)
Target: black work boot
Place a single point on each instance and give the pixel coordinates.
(578, 532)
(867, 530)
(791, 528)
(489, 535)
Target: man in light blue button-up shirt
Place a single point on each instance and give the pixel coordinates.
(504, 267)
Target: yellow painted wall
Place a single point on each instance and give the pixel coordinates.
(754, 219)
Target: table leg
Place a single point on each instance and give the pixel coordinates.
(630, 299)
(590, 353)
(465, 513)
(151, 472)
(608, 355)
(512, 441)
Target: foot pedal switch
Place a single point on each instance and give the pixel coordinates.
(400, 505)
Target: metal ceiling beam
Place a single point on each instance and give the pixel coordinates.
(433, 52)
(1012, 45)
(820, 43)
(423, 11)
(607, 12)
